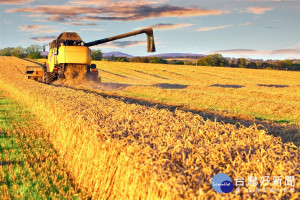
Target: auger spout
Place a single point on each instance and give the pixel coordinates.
(148, 31)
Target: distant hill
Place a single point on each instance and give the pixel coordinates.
(177, 55)
(163, 55)
(117, 54)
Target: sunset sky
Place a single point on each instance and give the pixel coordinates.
(235, 28)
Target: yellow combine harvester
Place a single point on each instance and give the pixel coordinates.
(70, 57)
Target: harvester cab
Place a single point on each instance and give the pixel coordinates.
(69, 57)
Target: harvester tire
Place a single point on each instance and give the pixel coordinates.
(61, 71)
(49, 78)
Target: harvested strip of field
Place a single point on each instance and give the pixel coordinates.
(126, 151)
(29, 168)
(269, 95)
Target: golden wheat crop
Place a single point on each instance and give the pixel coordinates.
(116, 150)
(29, 168)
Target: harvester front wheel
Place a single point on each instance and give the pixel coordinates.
(92, 73)
(48, 77)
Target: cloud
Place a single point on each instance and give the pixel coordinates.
(258, 10)
(214, 28)
(145, 12)
(55, 12)
(247, 24)
(82, 24)
(120, 11)
(116, 3)
(34, 16)
(237, 51)
(43, 39)
(286, 51)
(38, 29)
(167, 26)
(296, 46)
(92, 29)
(122, 44)
(15, 2)
(258, 52)
(268, 0)
(30, 28)
(90, 2)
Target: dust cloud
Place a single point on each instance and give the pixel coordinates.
(77, 77)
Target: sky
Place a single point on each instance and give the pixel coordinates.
(259, 29)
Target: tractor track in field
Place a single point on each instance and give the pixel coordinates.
(37, 63)
(18, 69)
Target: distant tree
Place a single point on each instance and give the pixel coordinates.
(221, 61)
(122, 59)
(296, 66)
(6, 51)
(96, 54)
(266, 65)
(112, 58)
(18, 52)
(136, 59)
(232, 63)
(213, 60)
(176, 62)
(154, 60)
(252, 65)
(206, 61)
(188, 63)
(157, 60)
(145, 60)
(242, 62)
(284, 64)
(33, 51)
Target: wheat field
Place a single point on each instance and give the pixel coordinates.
(118, 150)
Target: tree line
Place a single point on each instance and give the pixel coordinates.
(136, 59)
(33, 51)
(219, 60)
(214, 60)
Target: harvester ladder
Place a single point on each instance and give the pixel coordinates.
(55, 60)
